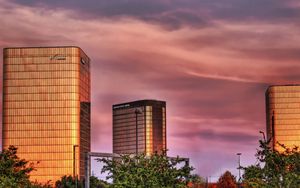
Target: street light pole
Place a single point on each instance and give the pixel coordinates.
(239, 162)
(264, 137)
(74, 164)
(137, 111)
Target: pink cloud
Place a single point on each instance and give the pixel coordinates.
(212, 77)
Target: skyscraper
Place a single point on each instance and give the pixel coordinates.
(139, 127)
(46, 108)
(283, 115)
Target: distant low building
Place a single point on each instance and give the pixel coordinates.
(283, 115)
(139, 127)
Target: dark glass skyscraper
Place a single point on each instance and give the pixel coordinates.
(46, 108)
(283, 115)
(139, 127)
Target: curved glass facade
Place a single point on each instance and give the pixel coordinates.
(46, 108)
(283, 115)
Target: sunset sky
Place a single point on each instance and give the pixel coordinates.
(210, 60)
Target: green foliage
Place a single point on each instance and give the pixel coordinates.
(14, 172)
(8, 182)
(141, 171)
(68, 182)
(275, 169)
(227, 180)
(96, 183)
(197, 180)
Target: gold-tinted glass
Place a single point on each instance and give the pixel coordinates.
(149, 131)
(46, 108)
(124, 130)
(151, 122)
(283, 115)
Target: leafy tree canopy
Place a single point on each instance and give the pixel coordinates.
(227, 180)
(96, 183)
(68, 182)
(274, 169)
(14, 172)
(142, 171)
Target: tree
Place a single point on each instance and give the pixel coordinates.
(196, 181)
(96, 183)
(142, 171)
(68, 182)
(227, 180)
(275, 169)
(14, 172)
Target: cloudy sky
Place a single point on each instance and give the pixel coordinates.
(210, 60)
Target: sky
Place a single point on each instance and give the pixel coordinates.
(211, 61)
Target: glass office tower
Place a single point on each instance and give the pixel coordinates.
(139, 127)
(283, 115)
(46, 108)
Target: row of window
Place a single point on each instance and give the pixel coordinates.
(286, 126)
(41, 97)
(42, 119)
(47, 156)
(48, 149)
(285, 111)
(128, 151)
(41, 75)
(41, 126)
(52, 171)
(291, 132)
(47, 52)
(42, 104)
(129, 138)
(55, 164)
(285, 105)
(288, 123)
(289, 143)
(286, 116)
(41, 134)
(41, 89)
(40, 141)
(119, 133)
(127, 111)
(66, 66)
(42, 82)
(127, 126)
(131, 117)
(41, 111)
(284, 89)
(119, 147)
(120, 122)
(287, 138)
(284, 100)
(284, 95)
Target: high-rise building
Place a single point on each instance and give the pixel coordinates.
(283, 115)
(139, 127)
(46, 108)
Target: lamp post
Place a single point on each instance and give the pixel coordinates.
(137, 112)
(239, 168)
(74, 163)
(264, 137)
